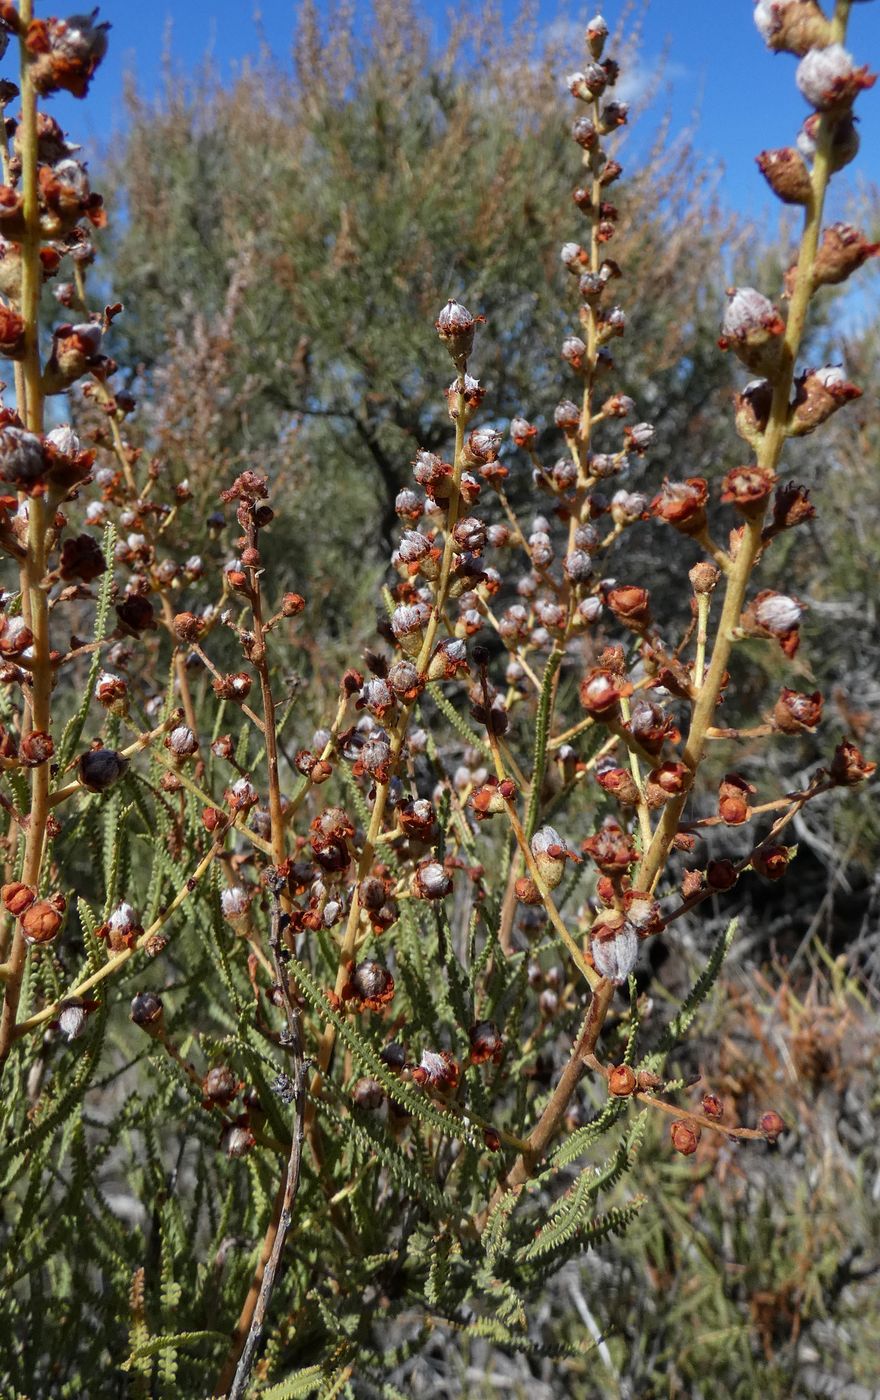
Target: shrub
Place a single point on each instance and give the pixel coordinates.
(314, 1046)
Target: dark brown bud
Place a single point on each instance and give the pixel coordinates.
(147, 1012)
(82, 557)
(721, 874)
(136, 615)
(100, 768)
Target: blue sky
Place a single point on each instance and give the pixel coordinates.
(717, 65)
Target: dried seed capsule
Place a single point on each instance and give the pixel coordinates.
(842, 251)
(147, 1012)
(622, 1081)
(17, 897)
(455, 326)
(72, 1017)
(797, 713)
(596, 34)
(733, 799)
(771, 862)
(369, 987)
(486, 1042)
(550, 853)
(818, 394)
(181, 742)
(685, 1136)
(41, 920)
(828, 77)
(220, 1085)
(787, 175)
(848, 765)
(748, 488)
(753, 329)
(22, 458)
(368, 1094)
(437, 1070)
(615, 948)
(237, 1140)
(430, 881)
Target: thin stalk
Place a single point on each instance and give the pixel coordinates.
(252, 1320)
(33, 567)
(259, 657)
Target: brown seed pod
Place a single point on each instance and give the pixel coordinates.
(41, 920)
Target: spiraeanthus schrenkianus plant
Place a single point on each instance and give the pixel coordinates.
(359, 1019)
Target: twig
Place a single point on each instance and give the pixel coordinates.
(252, 1320)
